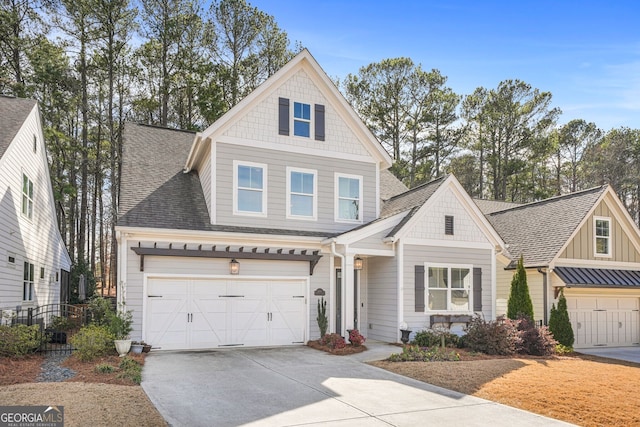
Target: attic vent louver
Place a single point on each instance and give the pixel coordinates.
(448, 225)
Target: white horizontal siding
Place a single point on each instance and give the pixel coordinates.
(36, 240)
(382, 299)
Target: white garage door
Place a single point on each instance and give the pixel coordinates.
(209, 313)
(604, 321)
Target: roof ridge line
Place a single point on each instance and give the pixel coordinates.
(164, 127)
(442, 177)
(550, 199)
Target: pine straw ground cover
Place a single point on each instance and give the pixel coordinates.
(89, 398)
(584, 390)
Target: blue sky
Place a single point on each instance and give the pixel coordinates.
(586, 53)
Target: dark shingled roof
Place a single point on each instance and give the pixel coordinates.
(13, 113)
(415, 197)
(155, 193)
(491, 206)
(539, 230)
(390, 185)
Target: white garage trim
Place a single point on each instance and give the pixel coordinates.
(191, 283)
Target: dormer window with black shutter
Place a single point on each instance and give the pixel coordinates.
(302, 118)
(448, 225)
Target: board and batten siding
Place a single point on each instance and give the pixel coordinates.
(535, 282)
(261, 122)
(382, 299)
(185, 266)
(276, 186)
(36, 240)
(582, 245)
(419, 255)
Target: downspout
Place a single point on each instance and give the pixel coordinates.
(545, 292)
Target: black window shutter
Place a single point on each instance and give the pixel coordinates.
(319, 120)
(448, 225)
(419, 288)
(477, 289)
(283, 116)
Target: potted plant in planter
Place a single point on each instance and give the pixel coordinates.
(136, 347)
(146, 348)
(120, 326)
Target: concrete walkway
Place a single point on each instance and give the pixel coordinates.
(296, 386)
(628, 354)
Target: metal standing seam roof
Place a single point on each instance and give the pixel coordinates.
(538, 230)
(13, 113)
(600, 277)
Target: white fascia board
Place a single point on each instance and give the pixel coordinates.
(370, 252)
(194, 153)
(351, 237)
(220, 237)
(587, 263)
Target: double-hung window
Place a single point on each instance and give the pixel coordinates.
(27, 197)
(301, 119)
(602, 236)
(348, 206)
(449, 287)
(27, 284)
(250, 188)
(301, 193)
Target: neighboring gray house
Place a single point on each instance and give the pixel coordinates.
(585, 243)
(230, 236)
(33, 258)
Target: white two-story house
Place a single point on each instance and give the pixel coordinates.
(33, 259)
(231, 236)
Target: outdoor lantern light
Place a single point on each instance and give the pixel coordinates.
(234, 266)
(357, 263)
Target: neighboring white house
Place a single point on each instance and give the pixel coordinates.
(33, 258)
(229, 237)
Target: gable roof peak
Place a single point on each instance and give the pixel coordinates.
(419, 187)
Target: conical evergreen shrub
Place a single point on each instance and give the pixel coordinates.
(519, 304)
(559, 323)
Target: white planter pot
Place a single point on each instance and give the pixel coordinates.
(122, 347)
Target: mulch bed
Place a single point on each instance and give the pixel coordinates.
(349, 349)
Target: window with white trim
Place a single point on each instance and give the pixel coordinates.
(27, 284)
(301, 119)
(449, 287)
(250, 188)
(602, 235)
(27, 196)
(348, 198)
(301, 193)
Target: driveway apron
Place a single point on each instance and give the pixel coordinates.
(296, 386)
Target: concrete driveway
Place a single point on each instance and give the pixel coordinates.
(296, 386)
(628, 354)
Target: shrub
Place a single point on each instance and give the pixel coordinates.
(356, 338)
(130, 369)
(104, 368)
(99, 309)
(494, 337)
(519, 303)
(19, 340)
(92, 341)
(433, 337)
(533, 340)
(414, 353)
(333, 341)
(559, 323)
(120, 323)
(59, 323)
(323, 321)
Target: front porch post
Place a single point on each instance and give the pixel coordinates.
(348, 295)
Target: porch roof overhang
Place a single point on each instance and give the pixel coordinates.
(598, 277)
(265, 254)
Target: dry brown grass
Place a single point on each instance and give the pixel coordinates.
(584, 390)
